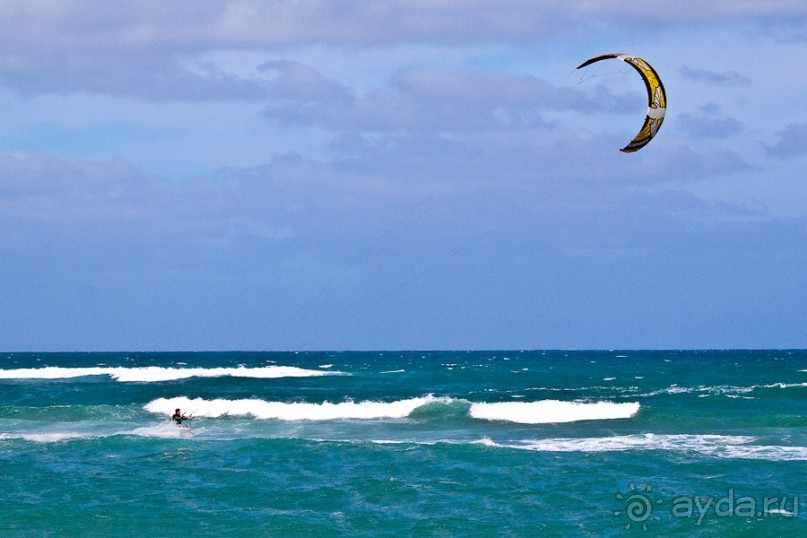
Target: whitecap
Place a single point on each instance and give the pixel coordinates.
(164, 431)
(722, 389)
(719, 446)
(782, 512)
(294, 411)
(150, 374)
(552, 411)
(44, 437)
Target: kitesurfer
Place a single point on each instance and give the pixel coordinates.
(179, 417)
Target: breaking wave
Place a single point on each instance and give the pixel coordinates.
(720, 446)
(552, 411)
(261, 409)
(426, 407)
(151, 374)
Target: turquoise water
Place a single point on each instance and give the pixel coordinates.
(517, 443)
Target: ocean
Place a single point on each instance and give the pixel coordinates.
(443, 443)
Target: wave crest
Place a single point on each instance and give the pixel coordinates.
(719, 446)
(151, 374)
(552, 411)
(262, 409)
(426, 407)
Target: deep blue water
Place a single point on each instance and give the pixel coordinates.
(515, 443)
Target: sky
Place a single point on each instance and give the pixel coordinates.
(319, 175)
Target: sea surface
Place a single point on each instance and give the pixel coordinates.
(460, 443)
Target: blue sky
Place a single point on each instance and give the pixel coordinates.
(400, 175)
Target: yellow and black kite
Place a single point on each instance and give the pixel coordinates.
(656, 98)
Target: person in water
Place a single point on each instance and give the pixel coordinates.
(179, 417)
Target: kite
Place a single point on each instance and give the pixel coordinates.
(656, 98)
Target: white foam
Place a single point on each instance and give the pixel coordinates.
(782, 512)
(785, 385)
(165, 431)
(646, 441)
(720, 446)
(722, 389)
(408, 442)
(552, 411)
(52, 437)
(151, 374)
(766, 452)
(265, 410)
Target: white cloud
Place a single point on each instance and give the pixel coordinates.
(710, 126)
(108, 202)
(721, 78)
(153, 49)
(431, 98)
(256, 24)
(792, 141)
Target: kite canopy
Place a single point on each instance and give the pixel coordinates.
(656, 98)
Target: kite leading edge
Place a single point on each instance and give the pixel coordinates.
(656, 98)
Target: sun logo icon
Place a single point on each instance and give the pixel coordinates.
(639, 503)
